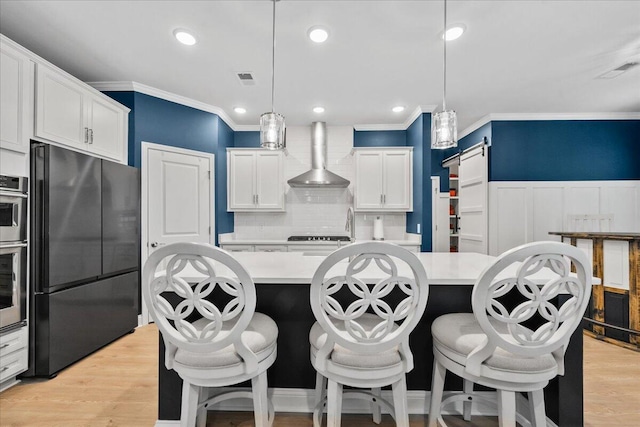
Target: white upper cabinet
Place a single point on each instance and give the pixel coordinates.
(255, 180)
(16, 96)
(384, 179)
(68, 112)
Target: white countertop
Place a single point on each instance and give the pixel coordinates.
(298, 268)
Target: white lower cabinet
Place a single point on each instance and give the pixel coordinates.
(384, 179)
(13, 356)
(255, 180)
(68, 112)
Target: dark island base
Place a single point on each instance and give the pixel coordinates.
(289, 306)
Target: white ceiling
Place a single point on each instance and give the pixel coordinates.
(515, 57)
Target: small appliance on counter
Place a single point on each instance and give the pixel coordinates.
(378, 228)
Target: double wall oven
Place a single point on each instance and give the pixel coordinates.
(13, 251)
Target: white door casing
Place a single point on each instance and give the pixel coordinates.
(177, 199)
(473, 202)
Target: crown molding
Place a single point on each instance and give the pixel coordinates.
(167, 96)
(247, 128)
(494, 117)
(421, 109)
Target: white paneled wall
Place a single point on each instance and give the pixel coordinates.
(320, 211)
(522, 212)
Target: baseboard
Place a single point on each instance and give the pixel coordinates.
(302, 401)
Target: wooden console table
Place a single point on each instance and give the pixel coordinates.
(632, 327)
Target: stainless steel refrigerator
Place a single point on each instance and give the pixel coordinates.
(85, 220)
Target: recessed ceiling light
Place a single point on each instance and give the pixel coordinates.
(318, 110)
(397, 109)
(240, 110)
(184, 36)
(318, 34)
(454, 32)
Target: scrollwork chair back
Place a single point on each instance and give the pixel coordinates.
(345, 271)
(553, 325)
(176, 320)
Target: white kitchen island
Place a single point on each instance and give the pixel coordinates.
(282, 285)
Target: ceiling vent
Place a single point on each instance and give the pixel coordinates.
(617, 71)
(246, 78)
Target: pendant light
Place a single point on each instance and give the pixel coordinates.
(444, 125)
(272, 124)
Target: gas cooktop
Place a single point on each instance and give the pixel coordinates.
(318, 238)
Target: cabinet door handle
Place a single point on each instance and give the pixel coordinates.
(86, 135)
(257, 199)
(384, 199)
(381, 202)
(90, 136)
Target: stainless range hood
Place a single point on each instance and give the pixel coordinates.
(318, 176)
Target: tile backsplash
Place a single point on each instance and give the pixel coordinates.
(317, 211)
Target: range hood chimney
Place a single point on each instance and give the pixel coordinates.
(318, 176)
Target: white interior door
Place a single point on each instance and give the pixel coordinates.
(178, 199)
(473, 181)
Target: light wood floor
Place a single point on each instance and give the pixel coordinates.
(117, 386)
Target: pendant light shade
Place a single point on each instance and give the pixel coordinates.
(444, 130)
(272, 124)
(444, 125)
(272, 131)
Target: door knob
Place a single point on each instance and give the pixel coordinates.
(154, 244)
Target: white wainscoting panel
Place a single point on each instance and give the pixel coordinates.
(582, 200)
(623, 202)
(616, 264)
(510, 220)
(548, 212)
(522, 212)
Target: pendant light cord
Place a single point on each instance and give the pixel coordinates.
(273, 58)
(444, 68)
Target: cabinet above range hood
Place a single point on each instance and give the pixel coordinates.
(318, 176)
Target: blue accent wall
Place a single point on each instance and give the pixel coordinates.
(414, 139)
(167, 123)
(382, 138)
(247, 139)
(419, 137)
(568, 150)
(224, 219)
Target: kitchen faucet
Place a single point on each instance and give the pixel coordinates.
(351, 224)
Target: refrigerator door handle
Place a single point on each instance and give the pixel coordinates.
(13, 245)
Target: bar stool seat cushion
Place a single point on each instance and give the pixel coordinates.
(260, 336)
(460, 333)
(346, 357)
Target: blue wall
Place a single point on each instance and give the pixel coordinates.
(556, 150)
(571, 150)
(248, 139)
(419, 137)
(164, 122)
(382, 138)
